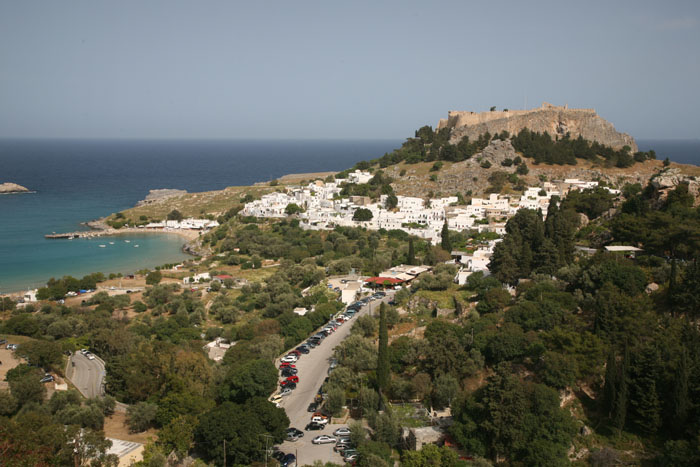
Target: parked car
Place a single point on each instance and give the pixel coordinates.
(311, 344)
(289, 460)
(11, 346)
(314, 426)
(289, 371)
(90, 356)
(285, 392)
(46, 379)
(303, 349)
(343, 447)
(84, 351)
(323, 439)
(3, 341)
(343, 431)
(295, 432)
(289, 359)
(288, 385)
(320, 420)
(312, 407)
(276, 399)
(295, 352)
(350, 457)
(293, 379)
(287, 365)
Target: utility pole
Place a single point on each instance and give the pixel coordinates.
(224, 452)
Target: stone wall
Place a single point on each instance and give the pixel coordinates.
(557, 121)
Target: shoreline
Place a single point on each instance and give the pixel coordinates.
(189, 235)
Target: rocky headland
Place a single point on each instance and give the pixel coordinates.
(555, 120)
(9, 188)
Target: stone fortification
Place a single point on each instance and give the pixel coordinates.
(555, 120)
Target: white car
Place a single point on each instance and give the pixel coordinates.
(90, 356)
(289, 359)
(276, 399)
(285, 392)
(323, 439)
(342, 432)
(319, 420)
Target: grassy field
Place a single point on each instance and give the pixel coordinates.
(197, 204)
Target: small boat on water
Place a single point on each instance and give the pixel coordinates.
(136, 246)
(127, 241)
(103, 246)
(111, 243)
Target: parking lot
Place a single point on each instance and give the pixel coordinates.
(312, 370)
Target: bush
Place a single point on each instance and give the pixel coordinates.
(140, 417)
(154, 277)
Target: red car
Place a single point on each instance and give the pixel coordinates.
(287, 365)
(293, 379)
(295, 352)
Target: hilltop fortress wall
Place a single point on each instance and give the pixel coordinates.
(555, 120)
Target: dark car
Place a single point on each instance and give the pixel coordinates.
(303, 349)
(314, 426)
(311, 344)
(279, 455)
(312, 407)
(289, 459)
(294, 431)
(289, 372)
(288, 385)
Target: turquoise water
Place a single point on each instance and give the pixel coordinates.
(86, 256)
(77, 181)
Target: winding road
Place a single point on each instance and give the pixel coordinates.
(86, 375)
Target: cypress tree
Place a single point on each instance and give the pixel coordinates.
(680, 401)
(446, 243)
(644, 404)
(411, 259)
(383, 355)
(611, 383)
(620, 409)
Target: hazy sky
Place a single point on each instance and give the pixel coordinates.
(339, 69)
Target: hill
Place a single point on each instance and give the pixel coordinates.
(555, 120)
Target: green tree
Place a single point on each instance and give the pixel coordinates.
(362, 215)
(619, 413)
(446, 244)
(140, 416)
(254, 378)
(241, 428)
(383, 366)
(335, 401)
(411, 256)
(175, 215)
(293, 208)
(43, 353)
(154, 277)
(178, 435)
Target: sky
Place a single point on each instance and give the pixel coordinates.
(339, 69)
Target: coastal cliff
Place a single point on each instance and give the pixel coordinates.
(8, 188)
(555, 120)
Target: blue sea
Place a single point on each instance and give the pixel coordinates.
(77, 181)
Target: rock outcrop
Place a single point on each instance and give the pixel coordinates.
(668, 179)
(155, 196)
(555, 120)
(7, 188)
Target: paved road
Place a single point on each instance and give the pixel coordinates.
(313, 369)
(87, 375)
